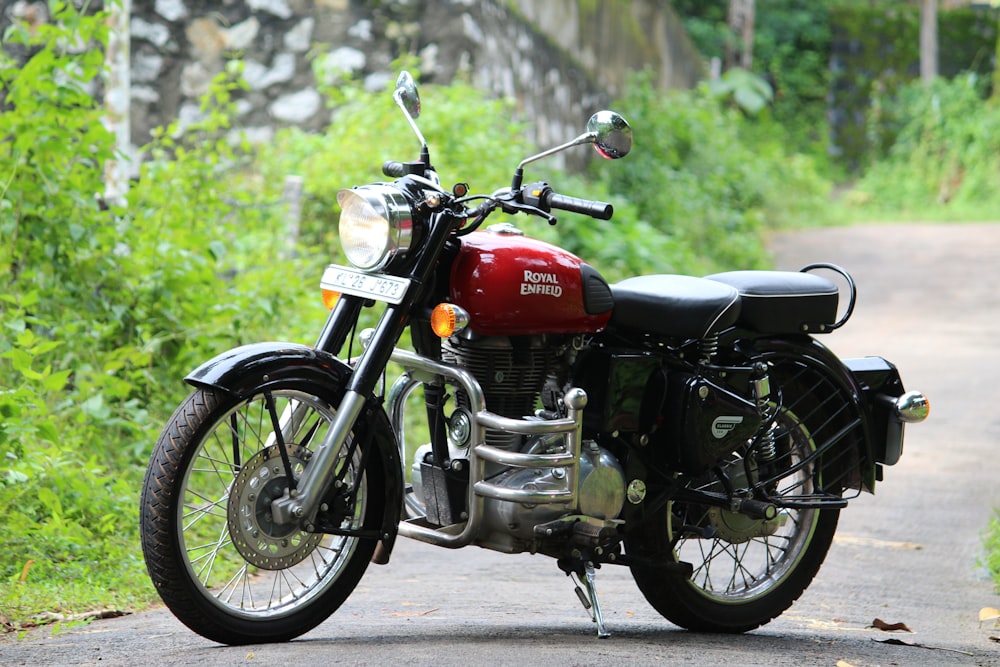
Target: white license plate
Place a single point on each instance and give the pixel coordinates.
(357, 283)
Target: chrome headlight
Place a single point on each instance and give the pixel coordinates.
(375, 225)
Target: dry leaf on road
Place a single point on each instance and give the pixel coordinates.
(879, 624)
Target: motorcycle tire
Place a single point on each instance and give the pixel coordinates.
(743, 572)
(212, 549)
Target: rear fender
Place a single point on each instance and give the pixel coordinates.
(880, 383)
(871, 435)
(246, 370)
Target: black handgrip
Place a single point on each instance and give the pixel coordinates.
(393, 169)
(595, 209)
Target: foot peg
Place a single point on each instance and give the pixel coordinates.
(589, 598)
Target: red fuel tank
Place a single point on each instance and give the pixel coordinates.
(512, 285)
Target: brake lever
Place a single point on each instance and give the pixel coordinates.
(512, 207)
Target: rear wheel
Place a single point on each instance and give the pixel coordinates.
(218, 559)
(745, 571)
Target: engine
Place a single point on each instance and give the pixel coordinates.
(510, 370)
(514, 373)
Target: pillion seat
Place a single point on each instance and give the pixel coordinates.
(783, 301)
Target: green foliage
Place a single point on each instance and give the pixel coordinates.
(824, 56)
(791, 51)
(749, 92)
(876, 53)
(211, 261)
(705, 22)
(67, 512)
(104, 310)
(944, 161)
(709, 182)
(991, 544)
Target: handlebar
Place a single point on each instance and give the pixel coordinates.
(595, 209)
(539, 196)
(394, 169)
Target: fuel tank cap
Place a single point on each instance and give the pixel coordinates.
(505, 229)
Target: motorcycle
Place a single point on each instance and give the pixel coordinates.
(691, 429)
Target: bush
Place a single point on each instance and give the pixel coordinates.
(945, 160)
(791, 51)
(104, 309)
(991, 542)
(68, 378)
(709, 181)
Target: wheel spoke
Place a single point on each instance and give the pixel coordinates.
(200, 512)
(204, 572)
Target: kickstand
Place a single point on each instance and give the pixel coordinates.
(589, 598)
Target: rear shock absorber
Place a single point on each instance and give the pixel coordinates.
(708, 348)
(766, 446)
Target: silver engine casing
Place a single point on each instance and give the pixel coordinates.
(510, 526)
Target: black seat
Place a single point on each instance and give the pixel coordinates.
(674, 306)
(783, 301)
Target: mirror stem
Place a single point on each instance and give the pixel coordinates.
(515, 184)
(409, 119)
(587, 138)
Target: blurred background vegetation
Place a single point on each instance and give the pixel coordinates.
(106, 305)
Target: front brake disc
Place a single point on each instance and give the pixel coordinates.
(261, 541)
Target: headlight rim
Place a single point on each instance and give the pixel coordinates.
(392, 206)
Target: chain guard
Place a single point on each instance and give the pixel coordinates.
(259, 540)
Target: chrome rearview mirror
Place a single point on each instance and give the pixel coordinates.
(612, 134)
(607, 130)
(406, 95)
(408, 99)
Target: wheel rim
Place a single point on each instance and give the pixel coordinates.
(266, 571)
(746, 558)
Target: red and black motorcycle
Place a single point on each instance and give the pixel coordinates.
(691, 429)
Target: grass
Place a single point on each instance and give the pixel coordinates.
(991, 545)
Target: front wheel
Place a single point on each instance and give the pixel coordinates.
(744, 571)
(217, 558)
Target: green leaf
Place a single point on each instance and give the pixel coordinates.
(13, 477)
(50, 500)
(217, 249)
(21, 361)
(56, 381)
(95, 407)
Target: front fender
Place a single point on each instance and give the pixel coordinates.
(245, 370)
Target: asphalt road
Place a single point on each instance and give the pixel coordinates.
(929, 301)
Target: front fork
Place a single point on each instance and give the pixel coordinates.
(300, 504)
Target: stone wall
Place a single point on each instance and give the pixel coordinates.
(560, 60)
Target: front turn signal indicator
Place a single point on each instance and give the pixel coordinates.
(330, 298)
(448, 319)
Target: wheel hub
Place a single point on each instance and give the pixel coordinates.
(261, 541)
(738, 528)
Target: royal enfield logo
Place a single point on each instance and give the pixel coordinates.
(722, 426)
(541, 283)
